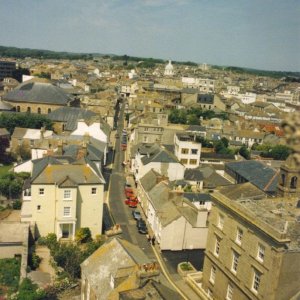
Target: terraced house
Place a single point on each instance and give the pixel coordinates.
(63, 195)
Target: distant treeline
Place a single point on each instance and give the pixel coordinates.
(289, 76)
(36, 53)
(148, 62)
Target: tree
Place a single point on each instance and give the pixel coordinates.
(243, 151)
(193, 120)
(280, 152)
(69, 257)
(23, 151)
(83, 235)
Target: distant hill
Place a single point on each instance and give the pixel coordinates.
(289, 76)
(38, 53)
(142, 61)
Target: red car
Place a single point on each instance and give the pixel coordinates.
(129, 194)
(132, 202)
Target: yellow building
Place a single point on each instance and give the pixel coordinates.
(64, 195)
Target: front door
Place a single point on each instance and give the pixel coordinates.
(66, 230)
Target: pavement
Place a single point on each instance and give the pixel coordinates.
(122, 215)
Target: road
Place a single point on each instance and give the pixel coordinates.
(122, 214)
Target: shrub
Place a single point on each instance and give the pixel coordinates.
(29, 290)
(10, 272)
(83, 235)
(17, 204)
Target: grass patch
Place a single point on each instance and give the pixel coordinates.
(4, 169)
(10, 272)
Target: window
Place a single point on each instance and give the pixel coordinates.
(261, 252)
(229, 292)
(39, 110)
(212, 274)
(67, 211)
(49, 110)
(94, 190)
(193, 161)
(184, 151)
(221, 221)
(239, 236)
(28, 109)
(38, 207)
(67, 194)
(41, 191)
(235, 260)
(256, 281)
(217, 246)
(194, 151)
(184, 161)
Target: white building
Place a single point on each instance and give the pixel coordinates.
(93, 130)
(152, 156)
(202, 84)
(247, 98)
(187, 150)
(169, 69)
(175, 221)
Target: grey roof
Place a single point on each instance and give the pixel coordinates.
(193, 175)
(241, 191)
(107, 260)
(196, 128)
(93, 153)
(197, 197)
(256, 172)
(149, 180)
(52, 170)
(205, 98)
(70, 116)
(38, 92)
(159, 155)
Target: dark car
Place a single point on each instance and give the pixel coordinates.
(140, 222)
(143, 229)
(136, 214)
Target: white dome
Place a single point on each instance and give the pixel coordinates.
(169, 66)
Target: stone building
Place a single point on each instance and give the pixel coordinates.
(253, 245)
(38, 97)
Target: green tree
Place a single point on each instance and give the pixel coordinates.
(69, 257)
(243, 151)
(193, 119)
(280, 152)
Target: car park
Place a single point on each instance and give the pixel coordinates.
(136, 215)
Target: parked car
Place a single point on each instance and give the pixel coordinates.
(132, 202)
(136, 215)
(129, 194)
(128, 189)
(143, 229)
(127, 185)
(140, 222)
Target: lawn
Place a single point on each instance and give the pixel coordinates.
(5, 169)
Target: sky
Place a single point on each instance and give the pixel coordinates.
(262, 34)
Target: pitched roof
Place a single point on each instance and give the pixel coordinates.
(70, 116)
(38, 92)
(52, 170)
(193, 174)
(256, 172)
(241, 191)
(106, 262)
(149, 180)
(159, 155)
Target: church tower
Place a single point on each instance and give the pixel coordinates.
(289, 180)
